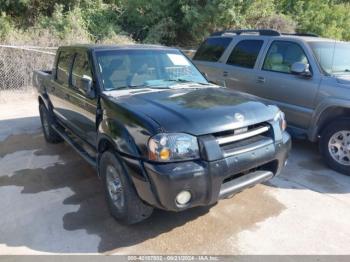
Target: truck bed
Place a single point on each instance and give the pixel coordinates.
(40, 77)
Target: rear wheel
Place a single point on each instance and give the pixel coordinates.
(335, 145)
(123, 201)
(50, 134)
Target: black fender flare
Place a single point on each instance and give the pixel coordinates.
(111, 132)
(45, 99)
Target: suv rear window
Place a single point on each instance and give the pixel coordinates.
(212, 49)
(63, 66)
(245, 53)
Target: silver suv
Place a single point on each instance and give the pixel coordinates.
(307, 76)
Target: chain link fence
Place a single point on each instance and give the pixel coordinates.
(17, 64)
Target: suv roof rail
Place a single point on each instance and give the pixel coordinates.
(302, 34)
(266, 32)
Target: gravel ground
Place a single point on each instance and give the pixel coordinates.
(51, 202)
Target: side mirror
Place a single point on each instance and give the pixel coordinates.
(86, 86)
(301, 69)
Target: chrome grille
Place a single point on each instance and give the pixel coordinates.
(227, 139)
(234, 136)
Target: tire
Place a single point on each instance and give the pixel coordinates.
(46, 118)
(335, 145)
(123, 202)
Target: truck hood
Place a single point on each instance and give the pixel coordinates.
(194, 111)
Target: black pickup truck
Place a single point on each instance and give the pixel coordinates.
(157, 132)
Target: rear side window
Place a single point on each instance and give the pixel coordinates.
(212, 49)
(63, 66)
(245, 53)
(81, 68)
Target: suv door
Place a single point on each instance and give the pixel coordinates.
(294, 94)
(81, 110)
(208, 55)
(241, 65)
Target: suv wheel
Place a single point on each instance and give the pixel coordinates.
(335, 145)
(123, 201)
(50, 134)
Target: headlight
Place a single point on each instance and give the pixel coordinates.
(280, 117)
(173, 147)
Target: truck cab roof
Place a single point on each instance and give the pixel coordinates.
(95, 47)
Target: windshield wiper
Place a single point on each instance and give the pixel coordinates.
(178, 80)
(140, 87)
(130, 87)
(182, 80)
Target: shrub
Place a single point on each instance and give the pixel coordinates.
(6, 26)
(69, 27)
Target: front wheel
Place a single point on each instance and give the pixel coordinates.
(123, 201)
(335, 145)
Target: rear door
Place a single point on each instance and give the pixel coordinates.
(295, 95)
(239, 68)
(208, 55)
(59, 86)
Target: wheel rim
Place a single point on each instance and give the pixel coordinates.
(339, 147)
(45, 123)
(115, 187)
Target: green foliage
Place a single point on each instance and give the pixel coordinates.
(6, 25)
(68, 22)
(102, 21)
(27, 11)
(171, 22)
(65, 25)
(188, 22)
(329, 18)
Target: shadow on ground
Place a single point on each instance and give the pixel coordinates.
(92, 214)
(19, 126)
(306, 169)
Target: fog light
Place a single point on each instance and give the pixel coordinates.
(183, 197)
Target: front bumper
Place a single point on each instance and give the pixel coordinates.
(209, 181)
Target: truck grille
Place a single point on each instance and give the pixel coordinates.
(243, 133)
(244, 139)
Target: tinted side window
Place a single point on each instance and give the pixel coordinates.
(212, 49)
(63, 65)
(80, 69)
(245, 53)
(282, 55)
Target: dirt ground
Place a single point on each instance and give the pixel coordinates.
(51, 201)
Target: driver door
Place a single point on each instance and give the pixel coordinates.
(275, 82)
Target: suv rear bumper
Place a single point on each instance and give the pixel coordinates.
(209, 181)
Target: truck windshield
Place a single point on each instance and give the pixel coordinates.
(121, 69)
(334, 57)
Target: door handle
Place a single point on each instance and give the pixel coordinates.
(225, 74)
(260, 79)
